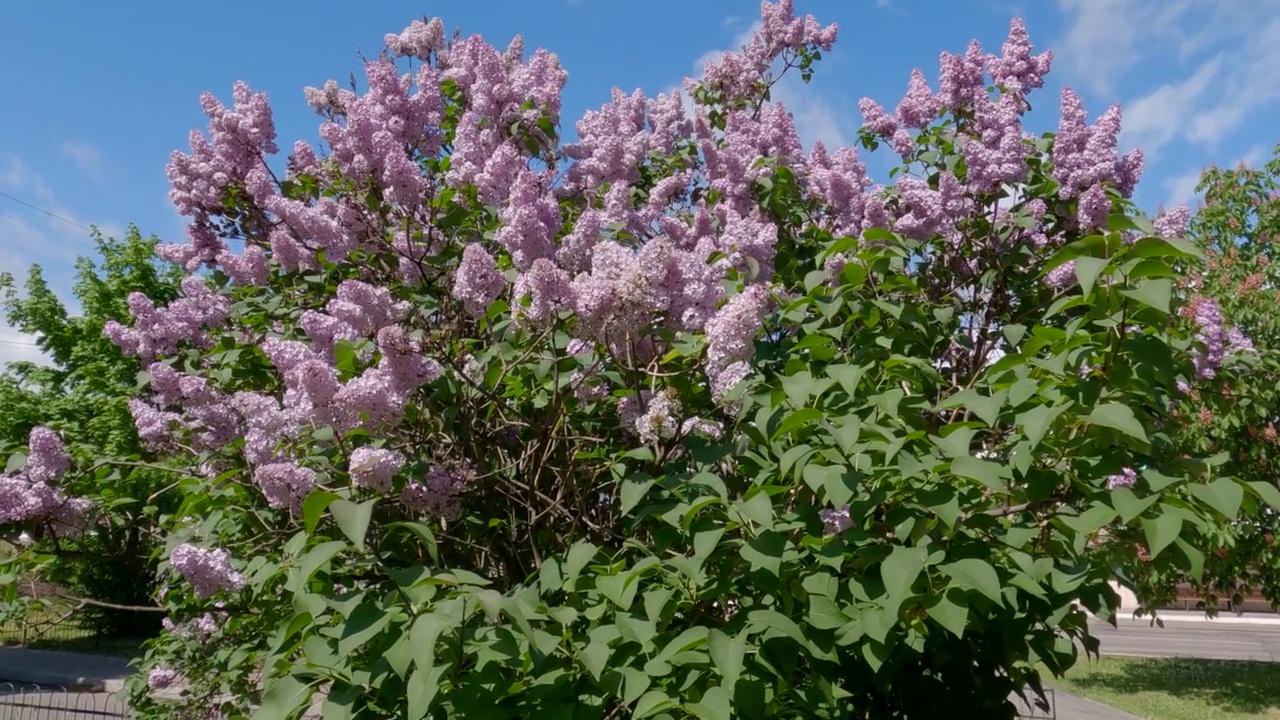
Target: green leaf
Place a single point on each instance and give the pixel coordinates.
(950, 610)
(15, 463)
(830, 479)
(1223, 495)
(900, 570)
(846, 431)
(795, 420)
(1118, 417)
(777, 621)
(1267, 492)
(1165, 247)
(364, 624)
(344, 357)
(1161, 531)
(594, 657)
(314, 506)
(984, 471)
(728, 654)
(847, 375)
(1154, 292)
(284, 695)
(426, 629)
(652, 703)
(985, 407)
(765, 551)
(353, 519)
(758, 509)
(632, 491)
(576, 559)
(1036, 422)
(1014, 333)
(1091, 520)
(423, 533)
(974, 574)
(1129, 505)
(1087, 271)
(317, 556)
(423, 685)
(958, 442)
(714, 705)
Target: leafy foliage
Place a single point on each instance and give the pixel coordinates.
(1234, 417)
(83, 391)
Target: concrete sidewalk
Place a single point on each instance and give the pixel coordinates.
(1065, 706)
(72, 671)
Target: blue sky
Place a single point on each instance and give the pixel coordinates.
(102, 93)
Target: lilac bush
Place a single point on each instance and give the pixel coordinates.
(677, 419)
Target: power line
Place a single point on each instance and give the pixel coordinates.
(37, 208)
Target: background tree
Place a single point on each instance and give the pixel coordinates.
(83, 391)
(1232, 301)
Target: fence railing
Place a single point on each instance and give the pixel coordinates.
(63, 626)
(33, 702)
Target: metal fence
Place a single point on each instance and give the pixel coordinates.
(33, 702)
(63, 626)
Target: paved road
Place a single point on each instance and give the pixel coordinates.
(1207, 639)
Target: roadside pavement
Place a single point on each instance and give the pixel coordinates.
(1065, 706)
(1188, 636)
(72, 671)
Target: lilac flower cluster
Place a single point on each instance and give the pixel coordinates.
(1084, 157)
(199, 629)
(660, 419)
(438, 493)
(208, 571)
(158, 331)
(160, 677)
(836, 521)
(1125, 478)
(1211, 334)
(27, 496)
(1173, 222)
(373, 468)
(285, 484)
(740, 74)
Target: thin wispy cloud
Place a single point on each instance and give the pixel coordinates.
(87, 159)
(1218, 58)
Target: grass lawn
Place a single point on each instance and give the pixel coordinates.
(1180, 689)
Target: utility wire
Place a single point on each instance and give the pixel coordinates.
(37, 208)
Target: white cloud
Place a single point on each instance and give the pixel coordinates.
(1182, 188)
(1219, 57)
(87, 159)
(18, 347)
(1101, 38)
(17, 176)
(52, 236)
(1156, 118)
(1255, 156)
